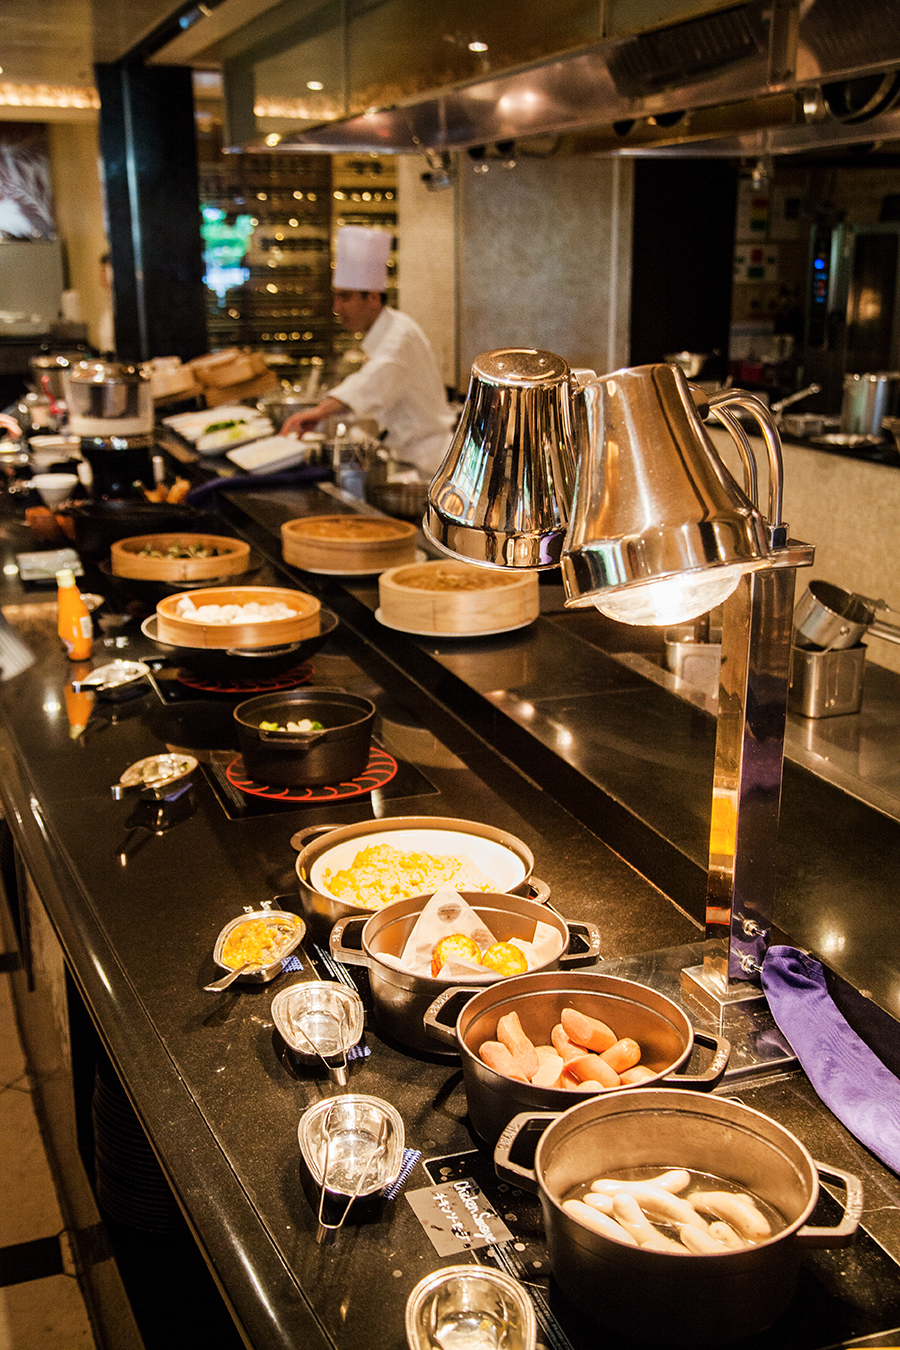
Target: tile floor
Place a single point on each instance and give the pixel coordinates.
(41, 1307)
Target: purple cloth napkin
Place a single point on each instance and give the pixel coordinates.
(850, 1079)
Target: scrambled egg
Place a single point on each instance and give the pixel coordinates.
(380, 874)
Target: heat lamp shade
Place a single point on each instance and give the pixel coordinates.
(660, 532)
(501, 497)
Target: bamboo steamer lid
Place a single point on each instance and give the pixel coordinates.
(181, 631)
(231, 556)
(348, 543)
(450, 597)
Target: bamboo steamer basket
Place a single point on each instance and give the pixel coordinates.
(173, 628)
(348, 543)
(232, 365)
(431, 597)
(126, 559)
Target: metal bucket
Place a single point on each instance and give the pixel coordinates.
(867, 401)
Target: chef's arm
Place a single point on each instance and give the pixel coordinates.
(299, 422)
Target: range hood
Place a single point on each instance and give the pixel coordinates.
(405, 76)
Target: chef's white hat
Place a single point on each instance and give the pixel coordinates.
(362, 256)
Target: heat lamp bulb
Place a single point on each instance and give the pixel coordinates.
(670, 601)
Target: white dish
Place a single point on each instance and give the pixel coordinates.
(504, 867)
(192, 424)
(269, 454)
(430, 633)
(421, 556)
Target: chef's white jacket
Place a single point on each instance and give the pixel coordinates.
(400, 386)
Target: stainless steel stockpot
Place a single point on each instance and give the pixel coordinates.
(668, 1298)
(662, 1030)
(400, 997)
(501, 856)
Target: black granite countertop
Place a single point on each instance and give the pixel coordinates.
(137, 913)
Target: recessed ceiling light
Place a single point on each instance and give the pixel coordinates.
(478, 46)
(315, 85)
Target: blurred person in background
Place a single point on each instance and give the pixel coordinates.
(399, 385)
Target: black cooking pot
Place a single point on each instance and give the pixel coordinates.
(401, 997)
(676, 1300)
(335, 754)
(663, 1031)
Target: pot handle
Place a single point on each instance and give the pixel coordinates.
(538, 890)
(348, 956)
(843, 1233)
(300, 739)
(589, 934)
(300, 838)
(434, 1024)
(711, 1076)
(506, 1169)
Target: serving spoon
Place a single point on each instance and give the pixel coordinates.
(226, 980)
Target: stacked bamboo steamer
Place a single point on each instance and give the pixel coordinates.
(453, 598)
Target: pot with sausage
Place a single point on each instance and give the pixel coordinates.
(534, 1042)
(674, 1218)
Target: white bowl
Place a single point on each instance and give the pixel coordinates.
(46, 450)
(54, 487)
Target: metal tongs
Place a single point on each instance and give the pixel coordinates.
(325, 1230)
(338, 1072)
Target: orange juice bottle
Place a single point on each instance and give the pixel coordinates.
(75, 627)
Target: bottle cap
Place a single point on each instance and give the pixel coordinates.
(65, 577)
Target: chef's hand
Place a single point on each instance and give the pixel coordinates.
(299, 422)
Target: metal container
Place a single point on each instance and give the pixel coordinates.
(280, 404)
(48, 371)
(401, 997)
(353, 1148)
(698, 1300)
(829, 619)
(243, 663)
(335, 754)
(662, 1030)
(106, 399)
(320, 1020)
(867, 400)
(826, 684)
(262, 974)
(320, 848)
(470, 1306)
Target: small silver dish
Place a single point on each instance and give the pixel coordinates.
(353, 1147)
(114, 680)
(472, 1306)
(260, 974)
(155, 776)
(320, 1020)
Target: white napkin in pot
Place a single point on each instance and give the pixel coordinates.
(446, 913)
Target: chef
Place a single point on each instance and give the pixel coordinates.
(399, 385)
